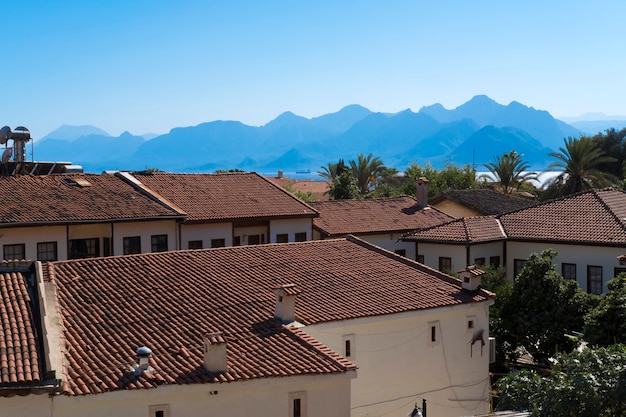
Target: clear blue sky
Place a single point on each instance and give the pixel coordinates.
(149, 66)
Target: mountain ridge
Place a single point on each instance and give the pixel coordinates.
(290, 142)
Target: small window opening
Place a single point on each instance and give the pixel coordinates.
(348, 349)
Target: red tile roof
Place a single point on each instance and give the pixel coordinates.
(20, 350)
(370, 216)
(462, 231)
(484, 201)
(168, 301)
(64, 198)
(595, 216)
(225, 197)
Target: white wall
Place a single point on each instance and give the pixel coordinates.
(432, 252)
(325, 396)
(205, 232)
(30, 236)
(145, 230)
(398, 365)
(390, 242)
(291, 227)
(603, 256)
(26, 406)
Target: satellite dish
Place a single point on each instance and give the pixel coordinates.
(6, 155)
(5, 133)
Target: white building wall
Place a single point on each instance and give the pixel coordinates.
(26, 406)
(205, 232)
(398, 365)
(145, 230)
(323, 396)
(487, 250)
(390, 242)
(582, 256)
(432, 252)
(291, 227)
(30, 236)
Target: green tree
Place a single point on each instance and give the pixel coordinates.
(389, 183)
(366, 170)
(451, 177)
(543, 307)
(495, 280)
(589, 383)
(613, 142)
(606, 323)
(344, 187)
(330, 171)
(510, 172)
(579, 161)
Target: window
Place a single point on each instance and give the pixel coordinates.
(84, 248)
(401, 252)
(282, 238)
(494, 261)
(349, 346)
(107, 247)
(568, 271)
(132, 245)
(300, 237)
(479, 261)
(218, 243)
(518, 265)
(594, 279)
(617, 271)
(237, 241)
(297, 404)
(445, 264)
(420, 259)
(160, 410)
(158, 243)
(195, 244)
(15, 252)
(433, 333)
(471, 324)
(47, 251)
(255, 239)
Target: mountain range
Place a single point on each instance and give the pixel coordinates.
(473, 133)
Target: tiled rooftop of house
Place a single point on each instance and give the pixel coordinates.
(595, 216)
(20, 349)
(317, 189)
(63, 198)
(484, 201)
(225, 197)
(461, 231)
(168, 301)
(369, 216)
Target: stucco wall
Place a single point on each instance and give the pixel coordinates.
(206, 232)
(26, 406)
(398, 365)
(291, 227)
(324, 395)
(603, 256)
(390, 242)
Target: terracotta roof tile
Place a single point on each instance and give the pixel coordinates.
(383, 215)
(61, 198)
(20, 350)
(595, 216)
(462, 231)
(225, 197)
(168, 301)
(484, 201)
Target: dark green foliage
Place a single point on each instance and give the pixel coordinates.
(366, 171)
(590, 383)
(606, 323)
(543, 307)
(510, 172)
(451, 177)
(344, 187)
(495, 281)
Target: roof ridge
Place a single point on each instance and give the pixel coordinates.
(608, 207)
(313, 344)
(287, 193)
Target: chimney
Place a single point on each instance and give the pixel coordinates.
(215, 352)
(286, 302)
(470, 277)
(421, 192)
(143, 356)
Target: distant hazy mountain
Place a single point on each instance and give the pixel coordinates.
(592, 127)
(473, 133)
(66, 132)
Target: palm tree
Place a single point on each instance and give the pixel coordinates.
(366, 170)
(580, 160)
(331, 171)
(510, 171)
